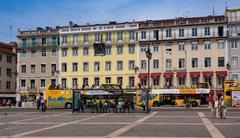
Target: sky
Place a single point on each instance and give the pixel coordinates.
(30, 14)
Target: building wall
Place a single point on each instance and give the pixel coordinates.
(7, 50)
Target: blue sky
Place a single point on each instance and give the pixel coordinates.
(29, 14)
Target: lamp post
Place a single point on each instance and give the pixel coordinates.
(149, 56)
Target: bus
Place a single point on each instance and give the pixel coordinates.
(196, 95)
(232, 93)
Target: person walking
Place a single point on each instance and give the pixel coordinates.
(143, 104)
(222, 108)
(100, 105)
(38, 103)
(216, 108)
(132, 108)
(43, 104)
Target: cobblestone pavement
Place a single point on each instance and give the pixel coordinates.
(162, 123)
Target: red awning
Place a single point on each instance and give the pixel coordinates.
(194, 74)
(218, 92)
(181, 74)
(155, 75)
(168, 74)
(207, 73)
(143, 75)
(221, 73)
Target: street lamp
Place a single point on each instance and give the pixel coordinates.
(149, 56)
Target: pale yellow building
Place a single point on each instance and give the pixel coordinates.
(79, 64)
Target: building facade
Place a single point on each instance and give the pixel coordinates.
(37, 62)
(233, 21)
(91, 55)
(185, 51)
(8, 64)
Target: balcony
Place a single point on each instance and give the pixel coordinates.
(37, 45)
(33, 88)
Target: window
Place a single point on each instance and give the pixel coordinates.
(33, 68)
(108, 37)
(85, 51)
(194, 46)
(108, 50)
(233, 30)
(64, 67)
(234, 77)
(143, 48)
(24, 69)
(194, 81)
(181, 33)
(131, 64)
(96, 66)
(207, 45)
(143, 81)
(155, 35)
(220, 30)
(33, 53)
(75, 39)
(23, 83)
(108, 66)
(64, 82)
(233, 44)
(143, 64)
(181, 63)
(155, 63)
(0, 57)
(64, 52)
(64, 39)
(168, 63)
(9, 72)
(221, 45)
(53, 81)
(119, 36)
(96, 82)
(156, 49)
(181, 80)
(181, 46)
(9, 59)
(143, 35)
(155, 81)
(234, 61)
(44, 41)
(220, 61)
(0, 71)
(75, 51)
(207, 61)
(74, 67)
(53, 68)
(54, 52)
(42, 82)
(119, 49)
(194, 62)
(24, 53)
(74, 82)
(8, 84)
(169, 33)
(44, 53)
(131, 35)
(43, 68)
(131, 48)
(54, 41)
(207, 31)
(131, 82)
(194, 31)
(85, 81)
(168, 48)
(108, 79)
(85, 38)
(32, 84)
(24, 43)
(97, 37)
(85, 66)
(119, 65)
(120, 80)
(233, 16)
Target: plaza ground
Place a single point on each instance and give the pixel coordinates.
(168, 122)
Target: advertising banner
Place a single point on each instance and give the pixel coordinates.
(236, 98)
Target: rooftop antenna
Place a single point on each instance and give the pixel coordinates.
(213, 9)
(10, 28)
(226, 4)
(186, 13)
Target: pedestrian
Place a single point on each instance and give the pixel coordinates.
(126, 107)
(100, 105)
(43, 102)
(210, 100)
(81, 105)
(143, 105)
(105, 106)
(132, 106)
(120, 105)
(113, 106)
(222, 108)
(216, 108)
(91, 106)
(38, 103)
(9, 103)
(95, 106)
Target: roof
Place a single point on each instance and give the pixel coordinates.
(6, 48)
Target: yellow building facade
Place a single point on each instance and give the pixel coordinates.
(79, 65)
